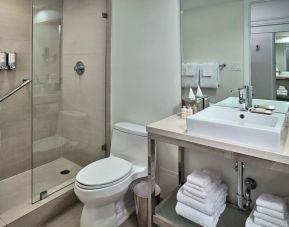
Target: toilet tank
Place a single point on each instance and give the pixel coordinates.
(129, 142)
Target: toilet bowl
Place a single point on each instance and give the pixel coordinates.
(102, 184)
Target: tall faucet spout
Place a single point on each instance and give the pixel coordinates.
(249, 96)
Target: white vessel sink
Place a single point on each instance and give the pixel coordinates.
(238, 127)
(280, 106)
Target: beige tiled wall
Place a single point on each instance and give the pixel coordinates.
(84, 39)
(15, 112)
(46, 82)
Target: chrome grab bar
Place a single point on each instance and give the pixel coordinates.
(24, 83)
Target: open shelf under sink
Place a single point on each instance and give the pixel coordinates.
(166, 215)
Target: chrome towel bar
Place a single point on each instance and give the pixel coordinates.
(24, 83)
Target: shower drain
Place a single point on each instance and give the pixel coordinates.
(64, 172)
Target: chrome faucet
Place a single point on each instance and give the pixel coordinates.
(245, 97)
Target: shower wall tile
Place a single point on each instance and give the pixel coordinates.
(84, 94)
(2, 224)
(15, 112)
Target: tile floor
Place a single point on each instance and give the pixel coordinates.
(71, 218)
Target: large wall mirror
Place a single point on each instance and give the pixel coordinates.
(227, 44)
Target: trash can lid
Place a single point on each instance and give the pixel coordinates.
(141, 189)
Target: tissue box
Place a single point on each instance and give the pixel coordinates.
(200, 102)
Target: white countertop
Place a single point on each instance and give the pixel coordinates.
(174, 127)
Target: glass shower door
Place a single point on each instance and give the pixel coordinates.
(68, 107)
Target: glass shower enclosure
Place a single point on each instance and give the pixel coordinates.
(69, 53)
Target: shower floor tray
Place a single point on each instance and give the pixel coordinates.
(15, 192)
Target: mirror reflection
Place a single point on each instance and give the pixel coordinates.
(212, 47)
(236, 53)
(282, 65)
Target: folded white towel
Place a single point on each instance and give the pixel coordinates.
(208, 205)
(191, 191)
(199, 217)
(203, 178)
(264, 223)
(272, 213)
(250, 221)
(267, 218)
(272, 202)
(210, 75)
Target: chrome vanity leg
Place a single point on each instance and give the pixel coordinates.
(181, 165)
(151, 179)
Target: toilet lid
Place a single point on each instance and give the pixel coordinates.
(104, 171)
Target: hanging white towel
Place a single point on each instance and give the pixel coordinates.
(199, 217)
(272, 202)
(210, 75)
(190, 75)
(208, 205)
(267, 218)
(272, 213)
(192, 69)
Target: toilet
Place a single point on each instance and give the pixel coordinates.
(103, 183)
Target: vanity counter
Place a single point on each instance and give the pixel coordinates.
(174, 128)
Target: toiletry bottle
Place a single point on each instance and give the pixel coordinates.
(184, 112)
(195, 109)
(189, 111)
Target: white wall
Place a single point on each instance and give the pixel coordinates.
(214, 33)
(146, 68)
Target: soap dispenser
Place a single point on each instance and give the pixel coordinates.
(11, 60)
(3, 61)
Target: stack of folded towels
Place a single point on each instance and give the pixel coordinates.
(202, 199)
(270, 211)
(282, 91)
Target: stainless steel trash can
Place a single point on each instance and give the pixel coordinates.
(141, 202)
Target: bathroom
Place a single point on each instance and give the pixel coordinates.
(70, 70)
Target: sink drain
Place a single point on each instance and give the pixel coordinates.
(64, 172)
